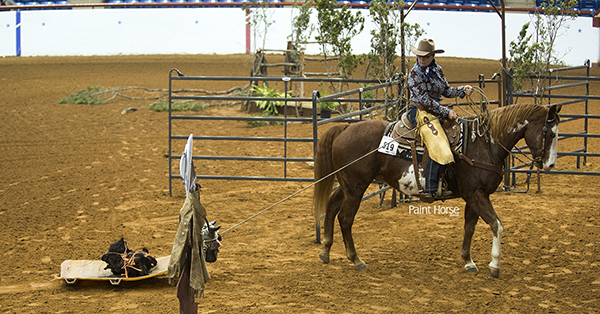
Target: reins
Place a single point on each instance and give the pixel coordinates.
(486, 130)
(486, 126)
(482, 123)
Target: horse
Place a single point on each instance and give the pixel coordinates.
(351, 150)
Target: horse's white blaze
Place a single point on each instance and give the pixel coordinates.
(408, 182)
(496, 252)
(551, 162)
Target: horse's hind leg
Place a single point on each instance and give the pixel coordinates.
(350, 206)
(471, 218)
(333, 208)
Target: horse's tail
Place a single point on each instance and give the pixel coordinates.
(323, 167)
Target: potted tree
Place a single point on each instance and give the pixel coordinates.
(326, 107)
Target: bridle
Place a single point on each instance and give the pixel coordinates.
(535, 160)
(211, 238)
(539, 160)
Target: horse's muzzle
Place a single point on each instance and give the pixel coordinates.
(211, 256)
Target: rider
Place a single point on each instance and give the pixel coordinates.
(427, 85)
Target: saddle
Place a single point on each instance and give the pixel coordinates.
(124, 262)
(410, 144)
(403, 132)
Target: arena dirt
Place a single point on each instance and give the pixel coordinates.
(75, 178)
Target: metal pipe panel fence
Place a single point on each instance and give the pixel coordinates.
(175, 76)
(582, 153)
(354, 96)
(365, 106)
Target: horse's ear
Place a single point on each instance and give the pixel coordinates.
(553, 110)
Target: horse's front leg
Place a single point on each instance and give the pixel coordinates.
(494, 266)
(482, 206)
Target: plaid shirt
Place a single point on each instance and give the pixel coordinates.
(428, 84)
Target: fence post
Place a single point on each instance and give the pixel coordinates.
(316, 95)
(170, 133)
(285, 125)
(507, 100)
(585, 120)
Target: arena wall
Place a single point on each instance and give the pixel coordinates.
(132, 31)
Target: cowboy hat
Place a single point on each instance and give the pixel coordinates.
(425, 48)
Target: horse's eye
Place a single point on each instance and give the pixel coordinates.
(552, 135)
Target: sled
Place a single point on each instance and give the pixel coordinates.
(73, 270)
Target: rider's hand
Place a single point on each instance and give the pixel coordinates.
(468, 89)
(452, 115)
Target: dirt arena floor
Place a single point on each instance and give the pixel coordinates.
(75, 178)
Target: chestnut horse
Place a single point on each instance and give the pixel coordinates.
(478, 174)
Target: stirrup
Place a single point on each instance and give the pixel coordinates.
(443, 194)
(427, 197)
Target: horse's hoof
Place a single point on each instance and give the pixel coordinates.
(495, 272)
(360, 266)
(324, 258)
(472, 269)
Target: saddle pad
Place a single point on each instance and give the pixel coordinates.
(73, 270)
(403, 151)
(406, 153)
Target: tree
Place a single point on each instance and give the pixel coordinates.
(301, 27)
(412, 33)
(390, 32)
(335, 29)
(384, 38)
(260, 19)
(534, 53)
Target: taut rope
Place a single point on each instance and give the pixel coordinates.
(325, 177)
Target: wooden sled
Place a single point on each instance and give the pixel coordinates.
(73, 270)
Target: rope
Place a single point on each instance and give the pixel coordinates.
(479, 118)
(473, 105)
(325, 177)
(47, 282)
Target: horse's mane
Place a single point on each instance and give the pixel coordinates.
(503, 119)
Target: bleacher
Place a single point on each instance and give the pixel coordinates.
(585, 7)
(45, 2)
